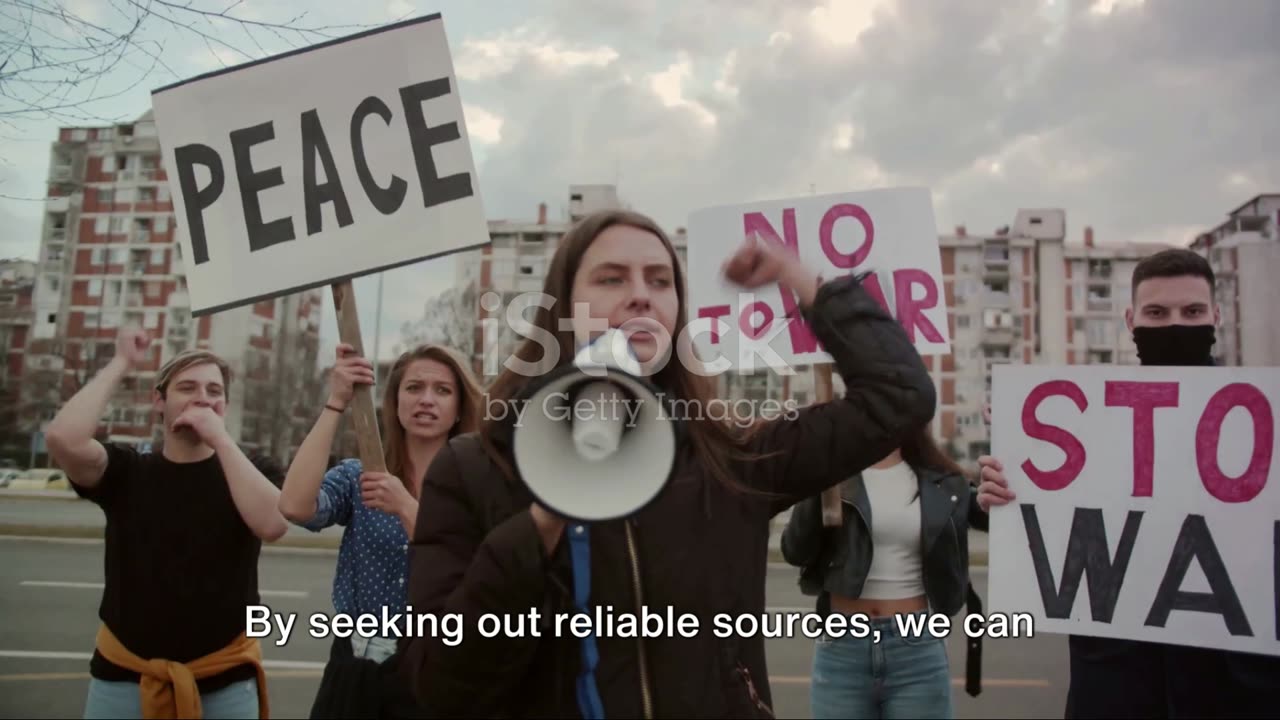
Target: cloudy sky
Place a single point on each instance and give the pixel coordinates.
(1146, 120)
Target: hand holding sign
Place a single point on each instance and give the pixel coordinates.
(994, 490)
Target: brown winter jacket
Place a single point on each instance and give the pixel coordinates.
(699, 548)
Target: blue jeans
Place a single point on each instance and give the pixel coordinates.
(122, 700)
(899, 677)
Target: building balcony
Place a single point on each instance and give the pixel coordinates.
(997, 336)
(11, 314)
(997, 299)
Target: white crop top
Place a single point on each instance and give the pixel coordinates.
(895, 533)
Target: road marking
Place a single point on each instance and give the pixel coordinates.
(57, 655)
(98, 586)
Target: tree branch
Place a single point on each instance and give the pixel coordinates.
(58, 62)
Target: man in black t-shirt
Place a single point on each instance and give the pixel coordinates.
(184, 526)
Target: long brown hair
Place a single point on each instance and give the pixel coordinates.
(715, 443)
(396, 449)
(921, 450)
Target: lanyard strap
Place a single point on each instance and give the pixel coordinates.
(588, 695)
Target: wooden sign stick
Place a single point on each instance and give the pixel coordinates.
(832, 514)
(362, 413)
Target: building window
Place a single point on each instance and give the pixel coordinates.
(1100, 332)
(95, 287)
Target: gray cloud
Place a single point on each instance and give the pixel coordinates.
(1133, 122)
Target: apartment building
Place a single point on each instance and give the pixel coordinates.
(1244, 252)
(17, 284)
(108, 258)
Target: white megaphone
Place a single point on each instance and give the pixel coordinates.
(594, 441)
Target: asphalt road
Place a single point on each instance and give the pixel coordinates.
(49, 592)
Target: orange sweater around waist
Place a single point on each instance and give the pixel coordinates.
(168, 688)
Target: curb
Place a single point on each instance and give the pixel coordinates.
(47, 495)
(95, 532)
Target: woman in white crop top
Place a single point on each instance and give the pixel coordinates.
(900, 554)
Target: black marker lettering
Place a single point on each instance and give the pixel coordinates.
(314, 196)
(435, 189)
(195, 200)
(387, 200)
(261, 235)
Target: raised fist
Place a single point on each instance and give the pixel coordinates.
(133, 344)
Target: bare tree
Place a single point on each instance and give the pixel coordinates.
(447, 319)
(59, 59)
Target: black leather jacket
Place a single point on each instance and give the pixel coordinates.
(836, 560)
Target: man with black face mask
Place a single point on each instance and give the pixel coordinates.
(1172, 320)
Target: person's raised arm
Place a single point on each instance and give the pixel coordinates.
(69, 437)
(303, 494)
(888, 394)
(459, 567)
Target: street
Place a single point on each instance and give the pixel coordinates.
(49, 593)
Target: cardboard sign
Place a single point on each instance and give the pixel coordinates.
(888, 232)
(1147, 503)
(318, 166)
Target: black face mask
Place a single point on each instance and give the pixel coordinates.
(1175, 344)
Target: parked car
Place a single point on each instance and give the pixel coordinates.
(8, 475)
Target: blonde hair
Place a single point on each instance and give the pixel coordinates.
(188, 359)
(396, 449)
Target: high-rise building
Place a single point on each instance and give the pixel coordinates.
(17, 421)
(108, 258)
(1025, 295)
(1244, 252)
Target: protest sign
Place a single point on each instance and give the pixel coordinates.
(312, 167)
(888, 232)
(317, 166)
(1144, 509)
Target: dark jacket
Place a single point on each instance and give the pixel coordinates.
(699, 548)
(836, 560)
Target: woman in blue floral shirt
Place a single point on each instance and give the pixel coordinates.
(430, 395)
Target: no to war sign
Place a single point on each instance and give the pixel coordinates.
(888, 232)
(317, 166)
(1147, 507)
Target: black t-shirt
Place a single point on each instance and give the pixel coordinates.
(180, 563)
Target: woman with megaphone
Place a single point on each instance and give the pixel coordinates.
(485, 548)
(429, 396)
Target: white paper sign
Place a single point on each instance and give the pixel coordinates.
(340, 160)
(890, 232)
(1148, 503)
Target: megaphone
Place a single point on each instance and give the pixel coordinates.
(594, 442)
